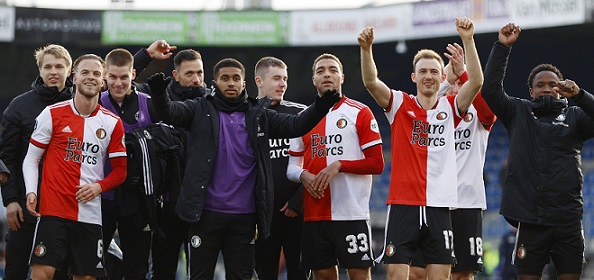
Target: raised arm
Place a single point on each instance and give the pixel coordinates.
(455, 71)
(493, 93)
(469, 90)
(159, 50)
(378, 89)
(177, 113)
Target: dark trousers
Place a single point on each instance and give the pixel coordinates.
(166, 246)
(135, 242)
(231, 234)
(18, 250)
(285, 233)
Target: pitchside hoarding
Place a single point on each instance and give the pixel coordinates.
(41, 26)
(196, 28)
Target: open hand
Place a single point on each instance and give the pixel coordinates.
(160, 50)
(158, 83)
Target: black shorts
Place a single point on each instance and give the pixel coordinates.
(537, 245)
(427, 228)
(328, 243)
(66, 243)
(417, 260)
(468, 239)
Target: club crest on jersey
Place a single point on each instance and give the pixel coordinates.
(521, 252)
(560, 117)
(40, 250)
(341, 123)
(196, 241)
(101, 133)
(441, 116)
(390, 250)
(469, 117)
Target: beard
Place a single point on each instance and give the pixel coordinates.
(89, 92)
(427, 91)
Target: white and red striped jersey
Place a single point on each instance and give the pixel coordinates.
(471, 137)
(343, 134)
(423, 151)
(76, 149)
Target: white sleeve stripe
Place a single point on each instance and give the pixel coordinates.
(117, 154)
(372, 143)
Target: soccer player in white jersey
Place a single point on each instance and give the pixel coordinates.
(423, 180)
(334, 161)
(471, 138)
(76, 137)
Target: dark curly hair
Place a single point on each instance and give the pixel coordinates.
(543, 67)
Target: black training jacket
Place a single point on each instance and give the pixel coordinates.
(17, 125)
(285, 190)
(544, 180)
(201, 118)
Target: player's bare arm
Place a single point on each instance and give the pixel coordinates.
(469, 90)
(378, 89)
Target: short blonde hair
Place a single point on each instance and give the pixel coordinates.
(427, 54)
(55, 50)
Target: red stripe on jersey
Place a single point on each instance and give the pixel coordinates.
(423, 152)
(59, 179)
(77, 148)
(38, 144)
(296, 154)
(368, 136)
(314, 160)
(410, 188)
